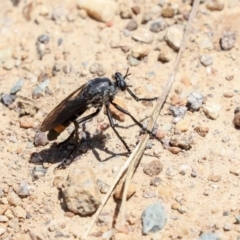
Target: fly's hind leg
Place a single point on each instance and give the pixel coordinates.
(75, 135)
(70, 158)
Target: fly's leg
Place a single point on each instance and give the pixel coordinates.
(135, 120)
(114, 129)
(140, 99)
(70, 158)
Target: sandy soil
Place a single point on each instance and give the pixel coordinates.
(199, 188)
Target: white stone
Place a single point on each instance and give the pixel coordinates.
(212, 110)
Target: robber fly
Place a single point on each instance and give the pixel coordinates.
(96, 93)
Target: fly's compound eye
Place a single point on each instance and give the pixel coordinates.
(120, 81)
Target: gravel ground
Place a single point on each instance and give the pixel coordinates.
(189, 179)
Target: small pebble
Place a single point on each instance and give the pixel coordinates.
(158, 25)
(44, 11)
(228, 40)
(140, 52)
(38, 172)
(167, 11)
(143, 36)
(39, 90)
(132, 25)
(103, 10)
(155, 181)
(178, 111)
(23, 189)
(204, 42)
(181, 142)
(174, 36)
(8, 99)
(195, 101)
(17, 86)
(229, 77)
(208, 236)
(43, 39)
(40, 139)
(133, 61)
(215, 5)
(125, 12)
(26, 122)
(9, 64)
(174, 150)
(3, 219)
(136, 10)
(182, 125)
(153, 168)
(236, 110)
(146, 17)
(237, 219)
(165, 55)
(149, 194)
(102, 186)
(227, 227)
(97, 68)
(2, 230)
(154, 218)
(19, 212)
(228, 94)
(214, 178)
(201, 130)
(235, 171)
(236, 119)
(206, 60)
(212, 110)
(67, 68)
(14, 199)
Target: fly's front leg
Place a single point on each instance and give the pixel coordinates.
(140, 99)
(135, 120)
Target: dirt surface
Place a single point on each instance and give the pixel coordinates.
(198, 187)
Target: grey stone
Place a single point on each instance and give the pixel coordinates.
(228, 40)
(158, 25)
(17, 86)
(154, 218)
(43, 39)
(8, 99)
(40, 89)
(208, 236)
(133, 61)
(195, 101)
(206, 60)
(132, 25)
(38, 171)
(178, 111)
(23, 189)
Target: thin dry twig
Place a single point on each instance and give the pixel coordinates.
(136, 155)
(141, 146)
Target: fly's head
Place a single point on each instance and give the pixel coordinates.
(120, 80)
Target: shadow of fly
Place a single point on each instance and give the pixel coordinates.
(96, 93)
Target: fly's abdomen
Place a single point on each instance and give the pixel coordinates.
(55, 132)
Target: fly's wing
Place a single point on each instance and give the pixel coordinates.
(69, 107)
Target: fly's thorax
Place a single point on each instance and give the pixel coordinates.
(99, 91)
